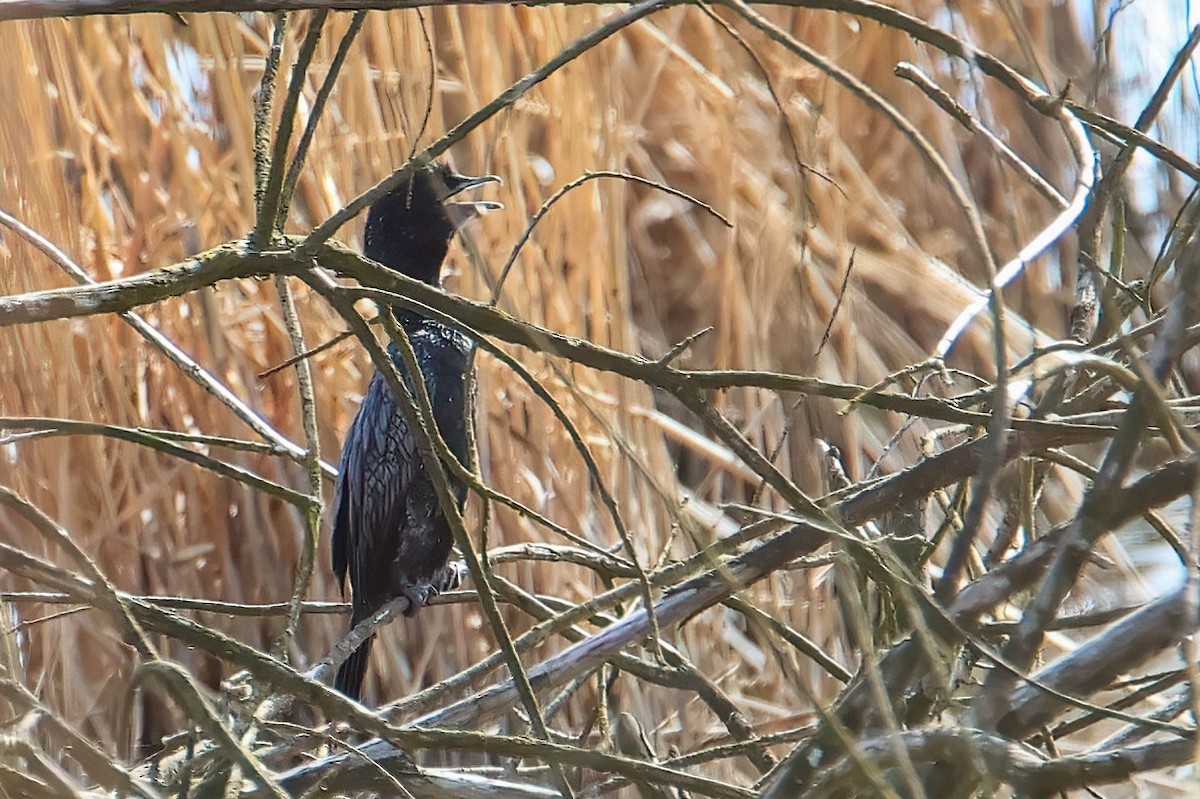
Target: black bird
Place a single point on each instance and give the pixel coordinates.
(389, 531)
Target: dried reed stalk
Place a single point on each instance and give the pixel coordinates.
(832, 253)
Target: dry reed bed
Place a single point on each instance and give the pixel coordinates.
(130, 147)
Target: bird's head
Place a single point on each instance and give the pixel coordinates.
(409, 230)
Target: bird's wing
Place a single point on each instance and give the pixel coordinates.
(378, 469)
(387, 523)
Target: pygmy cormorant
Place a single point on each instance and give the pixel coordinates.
(389, 531)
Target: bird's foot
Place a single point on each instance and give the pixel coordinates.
(446, 578)
(449, 576)
(418, 595)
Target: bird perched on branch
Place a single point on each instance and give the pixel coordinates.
(389, 531)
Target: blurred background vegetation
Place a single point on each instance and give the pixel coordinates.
(128, 143)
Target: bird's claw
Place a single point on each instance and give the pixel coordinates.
(446, 578)
(450, 576)
(418, 595)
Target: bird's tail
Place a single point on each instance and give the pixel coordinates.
(350, 675)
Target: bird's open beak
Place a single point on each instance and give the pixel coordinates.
(466, 210)
(457, 184)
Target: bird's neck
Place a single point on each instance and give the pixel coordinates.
(409, 319)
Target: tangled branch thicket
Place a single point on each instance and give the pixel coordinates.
(773, 498)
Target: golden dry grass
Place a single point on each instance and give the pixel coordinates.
(128, 143)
